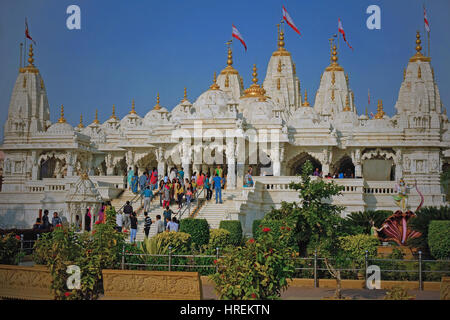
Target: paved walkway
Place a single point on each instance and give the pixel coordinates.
(298, 293)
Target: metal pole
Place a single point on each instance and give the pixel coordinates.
(170, 257)
(315, 269)
(420, 272)
(366, 262)
(123, 257)
(217, 258)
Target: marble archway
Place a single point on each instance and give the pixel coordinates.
(345, 166)
(294, 166)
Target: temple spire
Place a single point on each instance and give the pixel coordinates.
(30, 56)
(380, 112)
(347, 104)
(132, 107)
(113, 116)
(157, 105)
(255, 91)
(334, 66)
(214, 86)
(96, 117)
(281, 51)
(185, 95)
(305, 102)
(419, 56)
(80, 125)
(62, 119)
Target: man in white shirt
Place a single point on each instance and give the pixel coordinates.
(159, 224)
(119, 222)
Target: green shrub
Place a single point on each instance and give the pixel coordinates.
(277, 227)
(439, 239)
(197, 228)
(9, 249)
(219, 238)
(421, 222)
(398, 293)
(258, 270)
(235, 229)
(355, 246)
(255, 226)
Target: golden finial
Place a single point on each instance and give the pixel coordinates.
(419, 56)
(132, 107)
(380, 113)
(278, 83)
(294, 68)
(227, 81)
(185, 95)
(229, 68)
(419, 73)
(255, 91)
(113, 116)
(279, 65)
(230, 55)
(96, 117)
(61, 119)
(214, 86)
(347, 104)
(24, 84)
(346, 78)
(30, 55)
(80, 125)
(305, 102)
(333, 78)
(241, 82)
(157, 105)
(42, 83)
(404, 74)
(281, 51)
(254, 74)
(334, 66)
(332, 94)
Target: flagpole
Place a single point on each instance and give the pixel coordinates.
(20, 61)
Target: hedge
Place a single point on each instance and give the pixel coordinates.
(235, 228)
(439, 239)
(197, 228)
(255, 226)
(219, 238)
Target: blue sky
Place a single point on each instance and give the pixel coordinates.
(134, 49)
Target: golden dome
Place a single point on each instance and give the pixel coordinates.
(334, 66)
(281, 49)
(30, 68)
(229, 68)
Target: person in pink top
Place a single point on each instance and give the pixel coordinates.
(200, 180)
(154, 178)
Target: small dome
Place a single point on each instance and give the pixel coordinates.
(60, 127)
(182, 110)
(256, 110)
(211, 104)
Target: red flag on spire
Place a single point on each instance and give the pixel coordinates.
(341, 30)
(27, 34)
(236, 34)
(425, 19)
(289, 21)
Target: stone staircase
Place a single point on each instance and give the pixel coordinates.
(214, 213)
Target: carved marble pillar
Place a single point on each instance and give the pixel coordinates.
(109, 160)
(398, 161)
(326, 160)
(129, 158)
(159, 153)
(356, 158)
(231, 162)
(35, 167)
(71, 159)
(186, 153)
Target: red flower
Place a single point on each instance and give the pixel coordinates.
(260, 226)
(98, 222)
(271, 250)
(253, 296)
(215, 261)
(93, 232)
(282, 228)
(59, 225)
(17, 237)
(288, 229)
(67, 294)
(266, 229)
(251, 240)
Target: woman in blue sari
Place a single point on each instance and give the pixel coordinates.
(134, 183)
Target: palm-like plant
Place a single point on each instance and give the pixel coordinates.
(360, 222)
